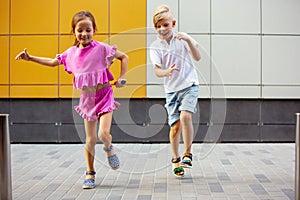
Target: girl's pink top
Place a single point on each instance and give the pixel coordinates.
(89, 65)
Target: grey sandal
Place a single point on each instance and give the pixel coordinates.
(113, 160)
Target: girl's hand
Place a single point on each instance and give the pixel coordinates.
(182, 36)
(23, 55)
(120, 82)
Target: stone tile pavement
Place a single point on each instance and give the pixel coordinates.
(220, 171)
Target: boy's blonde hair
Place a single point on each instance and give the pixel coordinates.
(160, 13)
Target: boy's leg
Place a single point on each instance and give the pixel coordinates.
(187, 130)
(175, 139)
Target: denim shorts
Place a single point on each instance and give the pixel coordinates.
(185, 99)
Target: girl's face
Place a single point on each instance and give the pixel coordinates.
(164, 29)
(84, 32)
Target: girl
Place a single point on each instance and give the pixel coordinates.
(88, 60)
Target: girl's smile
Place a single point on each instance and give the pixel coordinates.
(84, 32)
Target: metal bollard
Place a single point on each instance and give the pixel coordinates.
(5, 163)
(297, 160)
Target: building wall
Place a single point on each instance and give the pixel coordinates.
(249, 67)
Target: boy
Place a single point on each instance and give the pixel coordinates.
(171, 54)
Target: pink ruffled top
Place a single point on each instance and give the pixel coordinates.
(89, 65)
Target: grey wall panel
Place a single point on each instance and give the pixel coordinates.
(34, 133)
(34, 111)
(241, 133)
(242, 111)
(278, 133)
(4, 106)
(279, 111)
(145, 120)
(71, 133)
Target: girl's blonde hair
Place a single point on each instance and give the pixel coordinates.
(160, 13)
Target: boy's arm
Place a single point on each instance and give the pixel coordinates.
(159, 72)
(194, 51)
(52, 62)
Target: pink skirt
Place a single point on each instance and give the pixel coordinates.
(93, 104)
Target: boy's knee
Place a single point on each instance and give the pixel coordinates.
(186, 117)
(175, 127)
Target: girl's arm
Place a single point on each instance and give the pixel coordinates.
(52, 62)
(194, 51)
(124, 66)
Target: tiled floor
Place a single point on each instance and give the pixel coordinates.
(220, 171)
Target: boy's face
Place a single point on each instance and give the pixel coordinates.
(164, 29)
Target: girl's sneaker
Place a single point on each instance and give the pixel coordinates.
(89, 183)
(113, 160)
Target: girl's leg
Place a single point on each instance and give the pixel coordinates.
(187, 130)
(104, 131)
(106, 138)
(90, 143)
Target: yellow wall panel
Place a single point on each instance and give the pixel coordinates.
(67, 91)
(98, 8)
(127, 15)
(130, 91)
(23, 72)
(34, 16)
(34, 91)
(4, 60)
(4, 16)
(135, 47)
(4, 91)
(136, 73)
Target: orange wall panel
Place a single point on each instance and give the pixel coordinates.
(98, 8)
(23, 72)
(127, 15)
(4, 60)
(34, 17)
(4, 16)
(34, 91)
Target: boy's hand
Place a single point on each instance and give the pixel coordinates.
(23, 55)
(170, 70)
(182, 36)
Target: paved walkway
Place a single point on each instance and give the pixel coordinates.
(220, 171)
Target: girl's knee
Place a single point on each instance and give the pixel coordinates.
(105, 136)
(91, 141)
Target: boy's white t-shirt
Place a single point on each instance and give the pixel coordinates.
(164, 55)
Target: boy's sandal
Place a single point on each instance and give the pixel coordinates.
(113, 160)
(187, 160)
(89, 183)
(177, 171)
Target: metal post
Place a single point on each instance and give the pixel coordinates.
(5, 163)
(297, 160)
